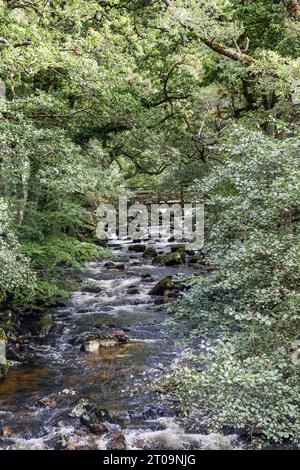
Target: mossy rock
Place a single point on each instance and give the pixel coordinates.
(91, 416)
(171, 259)
(100, 242)
(138, 248)
(196, 260)
(167, 287)
(150, 252)
(179, 248)
(102, 341)
(45, 324)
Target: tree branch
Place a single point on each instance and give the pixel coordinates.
(229, 52)
(61, 116)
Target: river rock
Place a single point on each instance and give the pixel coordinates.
(114, 266)
(150, 252)
(118, 332)
(196, 260)
(167, 287)
(3, 360)
(148, 278)
(133, 291)
(49, 401)
(91, 285)
(138, 248)
(116, 441)
(91, 416)
(178, 248)
(45, 325)
(170, 259)
(106, 340)
(6, 431)
(58, 442)
(100, 242)
(103, 341)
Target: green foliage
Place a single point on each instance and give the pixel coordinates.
(14, 266)
(252, 301)
(258, 394)
(51, 260)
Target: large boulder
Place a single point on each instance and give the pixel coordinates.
(170, 259)
(3, 360)
(167, 287)
(45, 325)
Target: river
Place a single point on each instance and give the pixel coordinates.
(38, 396)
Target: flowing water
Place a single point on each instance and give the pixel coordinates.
(119, 379)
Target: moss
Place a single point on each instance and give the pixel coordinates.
(45, 324)
(139, 248)
(150, 251)
(178, 248)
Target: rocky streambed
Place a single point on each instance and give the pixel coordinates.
(88, 380)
